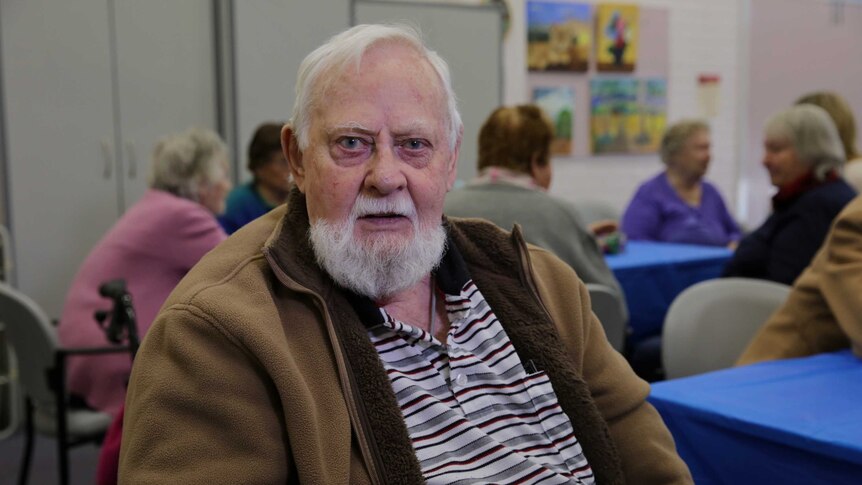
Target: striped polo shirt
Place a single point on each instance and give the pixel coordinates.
(474, 411)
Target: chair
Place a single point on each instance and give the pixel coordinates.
(611, 311)
(709, 324)
(10, 398)
(42, 379)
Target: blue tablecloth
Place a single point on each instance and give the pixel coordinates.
(652, 274)
(788, 422)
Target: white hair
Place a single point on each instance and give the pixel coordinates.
(323, 65)
(813, 135)
(385, 265)
(182, 162)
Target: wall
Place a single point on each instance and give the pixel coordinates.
(271, 39)
(797, 46)
(704, 37)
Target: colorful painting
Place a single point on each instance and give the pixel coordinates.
(559, 36)
(616, 37)
(614, 113)
(653, 115)
(558, 103)
(627, 115)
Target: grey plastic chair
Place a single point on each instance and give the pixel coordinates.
(609, 307)
(10, 397)
(709, 324)
(42, 376)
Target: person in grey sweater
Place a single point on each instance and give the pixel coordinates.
(514, 175)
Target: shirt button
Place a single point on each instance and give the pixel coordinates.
(461, 380)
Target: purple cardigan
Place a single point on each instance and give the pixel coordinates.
(152, 246)
(657, 213)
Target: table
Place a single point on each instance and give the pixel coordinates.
(652, 274)
(791, 421)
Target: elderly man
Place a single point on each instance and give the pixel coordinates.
(356, 336)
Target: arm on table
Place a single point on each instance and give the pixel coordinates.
(642, 218)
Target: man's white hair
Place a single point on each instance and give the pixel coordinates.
(385, 265)
(324, 65)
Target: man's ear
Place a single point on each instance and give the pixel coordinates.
(290, 146)
(452, 169)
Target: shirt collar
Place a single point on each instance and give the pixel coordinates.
(450, 276)
(496, 175)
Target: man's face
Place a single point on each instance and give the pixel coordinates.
(380, 132)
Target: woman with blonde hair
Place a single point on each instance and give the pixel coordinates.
(838, 109)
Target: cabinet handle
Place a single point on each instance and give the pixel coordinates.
(133, 159)
(108, 159)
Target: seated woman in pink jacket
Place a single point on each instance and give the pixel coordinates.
(151, 247)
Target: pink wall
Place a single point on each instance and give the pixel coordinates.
(796, 46)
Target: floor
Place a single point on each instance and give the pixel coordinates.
(43, 469)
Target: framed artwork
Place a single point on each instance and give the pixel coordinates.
(628, 115)
(653, 115)
(558, 103)
(617, 28)
(559, 36)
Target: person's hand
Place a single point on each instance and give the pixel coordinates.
(605, 226)
(732, 245)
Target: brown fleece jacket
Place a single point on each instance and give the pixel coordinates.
(242, 378)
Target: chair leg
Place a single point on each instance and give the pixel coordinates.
(24, 471)
(62, 448)
(62, 429)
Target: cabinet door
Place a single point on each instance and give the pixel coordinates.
(60, 138)
(166, 78)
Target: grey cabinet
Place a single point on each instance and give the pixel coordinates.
(89, 86)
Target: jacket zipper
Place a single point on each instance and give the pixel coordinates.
(357, 418)
(527, 268)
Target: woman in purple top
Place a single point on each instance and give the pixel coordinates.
(678, 205)
(152, 246)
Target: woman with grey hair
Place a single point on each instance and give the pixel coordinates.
(678, 205)
(151, 247)
(804, 157)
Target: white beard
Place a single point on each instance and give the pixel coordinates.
(383, 266)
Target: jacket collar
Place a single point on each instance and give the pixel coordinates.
(498, 264)
(791, 192)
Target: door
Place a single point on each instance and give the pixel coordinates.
(166, 72)
(60, 138)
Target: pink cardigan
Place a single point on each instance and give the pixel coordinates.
(152, 247)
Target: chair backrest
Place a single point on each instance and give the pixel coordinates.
(592, 210)
(608, 306)
(708, 326)
(35, 342)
